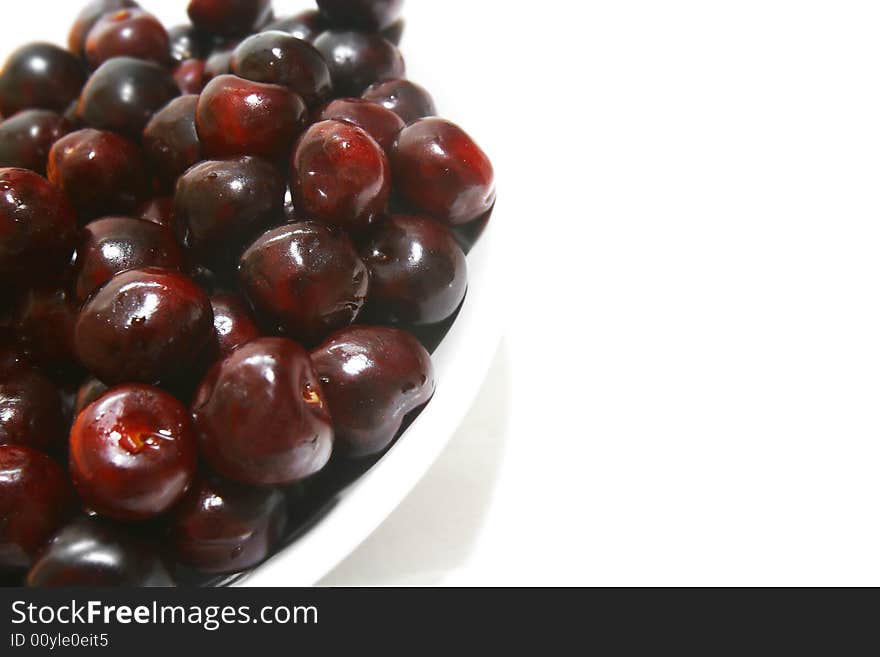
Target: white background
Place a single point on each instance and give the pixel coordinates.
(687, 389)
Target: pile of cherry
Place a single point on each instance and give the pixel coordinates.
(217, 245)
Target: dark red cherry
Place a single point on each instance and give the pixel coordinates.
(229, 17)
(26, 137)
(372, 378)
(87, 18)
(441, 170)
(279, 58)
(357, 60)
(406, 99)
(124, 93)
(100, 172)
(159, 210)
(90, 552)
(127, 33)
(43, 324)
(340, 176)
(35, 500)
(306, 25)
(233, 324)
(304, 280)
(361, 14)
(37, 226)
(30, 411)
(223, 526)
(188, 43)
(221, 205)
(260, 415)
(219, 63)
(40, 76)
(144, 325)
(133, 452)
(115, 244)
(418, 272)
(88, 392)
(381, 124)
(190, 76)
(241, 117)
(170, 140)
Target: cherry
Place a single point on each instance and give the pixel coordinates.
(362, 14)
(35, 500)
(30, 411)
(221, 205)
(340, 176)
(43, 324)
(381, 124)
(115, 244)
(186, 42)
(440, 170)
(91, 552)
(124, 93)
(190, 76)
(406, 99)
(127, 33)
(88, 392)
(306, 25)
(26, 137)
(279, 58)
(233, 324)
(372, 378)
(304, 280)
(170, 140)
(143, 325)
(229, 17)
(40, 75)
(87, 18)
(357, 60)
(418, 272)
(241, 117)
(223, 526)
(100, 172)
(260, 415)
(219, 63)
(37, 226)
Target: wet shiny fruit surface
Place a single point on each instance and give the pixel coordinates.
(233, 324)
(171, 142)
(358, 59)
(26, 137)
(40, 75)
(127, 33)
(407, 99)
(261, 417)
(88, 16)
(30, 411)
(133, 452)
(380, 123)
(228, 17)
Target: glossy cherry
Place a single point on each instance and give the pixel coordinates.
(418, 272)
(40, 75)
(221, 205)
(26, 137)
(87, 18)
(190, 76)
(229, 17)
(43, 324)
(233, 324)
(100, 172)
(90, 552)
(30, 411)
(170, 140)
(35, 500)
(358, 59)
(340, 176)
(223, 526)
(441, 170)
(124, 93)
(372, 378)
(186, 42)
(37, 226)
(306, 25)
(380, 123)
(144, 325)
(112, 245)
(241, 117)
(407, 99)
(261, 417)
(127, 33)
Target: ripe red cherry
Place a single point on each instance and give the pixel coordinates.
(241, 117)
(133, 452)
(127, 33)
(357, 60)
(381, 124)
(462, 182)
(279, 58)
(30, 411)
(260, 415)
(25, 138)
(306, 25)
(190, 76)
(418, 272)
(115, 244)
(223, 526)
(372, 378)
(229, 17)
(144, 325)
(40, 75)
(406, 99)
(363, 14)
(87, 18)
(100, 172)
(35, 500)
(233, 324)
(171, 142)
(304, 280)
(43, 323)
(37, 226)
(340, 176)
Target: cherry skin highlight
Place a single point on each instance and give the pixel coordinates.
(88, 16)
(40, 76)
(30, 411)
(190, 76)
(127, 33)
(380, 123)
(26, 137)
(233, 324)
(405, 98)
(357, 60)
